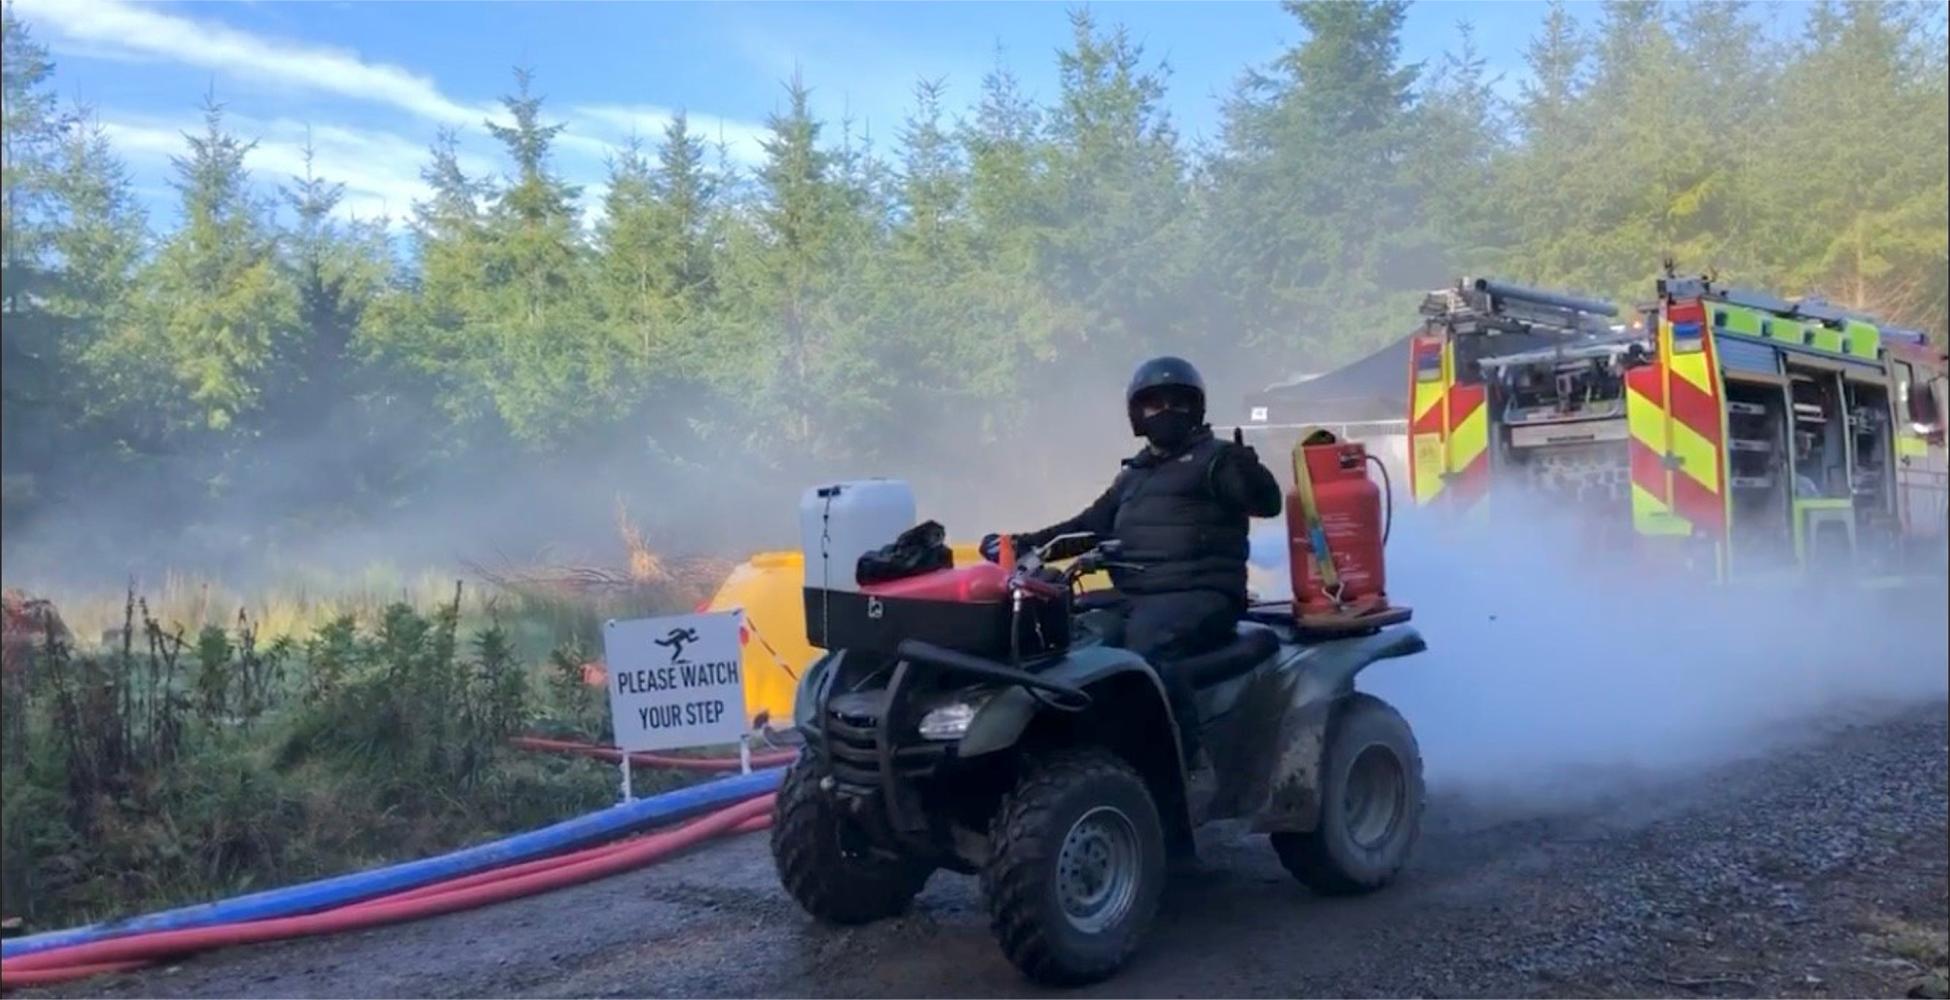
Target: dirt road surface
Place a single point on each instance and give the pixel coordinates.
(1816, 869)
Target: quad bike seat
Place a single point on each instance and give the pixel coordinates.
(1249, 646)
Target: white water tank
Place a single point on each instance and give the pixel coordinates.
(840, 522)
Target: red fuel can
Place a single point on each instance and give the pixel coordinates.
(1349, 505)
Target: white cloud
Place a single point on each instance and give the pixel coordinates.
(116, 27)
(741, 139)
(593, 148)
(592, 210)
(380, 170)
(138, 142)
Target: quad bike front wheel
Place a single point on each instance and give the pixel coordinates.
(1371, 798)
(824, 865)
(1076, 866)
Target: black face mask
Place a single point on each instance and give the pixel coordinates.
(1168, 430)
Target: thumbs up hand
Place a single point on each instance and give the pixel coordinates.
(1241, 451)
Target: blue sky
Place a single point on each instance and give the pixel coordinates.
(372, 81)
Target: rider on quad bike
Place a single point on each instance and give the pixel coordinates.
(1179, 507)
(978, 719)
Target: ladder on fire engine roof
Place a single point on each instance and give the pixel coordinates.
(1480, 304)
(1810, 307)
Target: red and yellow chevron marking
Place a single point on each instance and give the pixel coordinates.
(1677, 420)
(1428, 383)
(1449, 428)
(1469, 445)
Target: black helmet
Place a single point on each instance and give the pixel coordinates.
(1165, 375)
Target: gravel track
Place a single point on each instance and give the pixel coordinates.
(1756, 877)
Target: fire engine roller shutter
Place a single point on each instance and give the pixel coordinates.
(1738, 355)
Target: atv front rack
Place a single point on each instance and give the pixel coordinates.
(861, 734)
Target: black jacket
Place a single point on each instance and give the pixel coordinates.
(1183, 517)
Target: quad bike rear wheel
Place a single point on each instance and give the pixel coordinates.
(1371, 804)
(824, 864)
(1076, 866)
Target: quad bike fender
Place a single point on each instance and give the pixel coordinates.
(1129, 714)
(812, 689)
(1282, 793)
(1003, 719)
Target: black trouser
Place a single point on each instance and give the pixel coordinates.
(1164, 628)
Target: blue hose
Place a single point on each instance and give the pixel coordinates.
(340, 890)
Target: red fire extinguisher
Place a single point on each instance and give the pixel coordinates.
(1337, 532)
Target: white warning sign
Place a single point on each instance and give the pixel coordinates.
(675, 682)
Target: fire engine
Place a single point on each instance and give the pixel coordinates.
(1749, 432)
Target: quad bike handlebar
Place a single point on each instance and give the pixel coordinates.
(1103, 557)
(1065, 546)
(1033, 574)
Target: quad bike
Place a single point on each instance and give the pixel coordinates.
(988, 728)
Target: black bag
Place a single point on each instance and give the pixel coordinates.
(920, 549)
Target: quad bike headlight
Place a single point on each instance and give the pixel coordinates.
(949, 721)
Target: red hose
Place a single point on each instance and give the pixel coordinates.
(73, 972)
(119, 954)
(542, 864)
(494, 875)
(777, 758)
(48, 977)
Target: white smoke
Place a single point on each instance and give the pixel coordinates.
(1548, 662)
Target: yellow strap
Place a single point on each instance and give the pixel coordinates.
(1310, 511)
